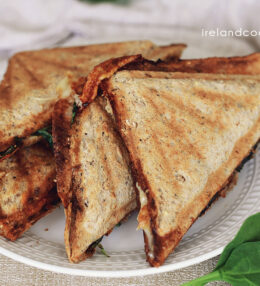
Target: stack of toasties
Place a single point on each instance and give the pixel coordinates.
(109, 129)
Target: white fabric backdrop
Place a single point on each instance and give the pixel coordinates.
(31, 24)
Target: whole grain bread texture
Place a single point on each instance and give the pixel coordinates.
(88, 89)
(186, 134)
(27, 97)
(79, 95)
(93, 174)
(28, 89)
(28, 189)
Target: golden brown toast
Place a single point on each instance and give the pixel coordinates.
(27, 97)
(28, 190)
(249, 65)
(63, 113)
(93, 174)
(28, 90)
(186, 134)
(76, 237)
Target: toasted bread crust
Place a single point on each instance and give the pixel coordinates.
(27, 92)
(70, 177)
(247, 65)
(67, 186)
(164, 244)
(15, 225)
(61, 126)
(102, 72)
(69, 141)
(165, 53)
(28, 190)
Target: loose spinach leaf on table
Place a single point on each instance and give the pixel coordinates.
(239, 263)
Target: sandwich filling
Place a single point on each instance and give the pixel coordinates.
(44, 133)
(144, 220)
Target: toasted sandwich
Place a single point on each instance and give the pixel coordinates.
(28, 90)
(27, 98)
(28, 189)
(94, 180)
(79, 242)
(186, 134)
(93, 174)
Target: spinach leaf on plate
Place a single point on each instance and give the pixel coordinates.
(239, 263)
(99, 245)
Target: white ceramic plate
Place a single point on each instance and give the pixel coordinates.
(206, 238)
(43, 247)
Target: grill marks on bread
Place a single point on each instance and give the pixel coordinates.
(181, 142)
(27, 189)
(28, 90)
(98, 191)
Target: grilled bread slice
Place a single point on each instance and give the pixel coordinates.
(186, 134)
(27, 98)
(76, 236)
(28, 191)
(28, 90)
(93, 174)
(248, 65)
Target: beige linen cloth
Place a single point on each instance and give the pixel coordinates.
(45, 23)
(15, 273)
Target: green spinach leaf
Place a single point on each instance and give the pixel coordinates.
(239, 264)
(8, 151)
(99, 245)
(46, 134)
(249, 231)
(96, 243)
(12, 148)
(74, 112)
(103, 250)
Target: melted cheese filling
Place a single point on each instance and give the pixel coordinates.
(144, 221)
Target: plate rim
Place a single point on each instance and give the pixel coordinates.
(110, 274)
(144, 271)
